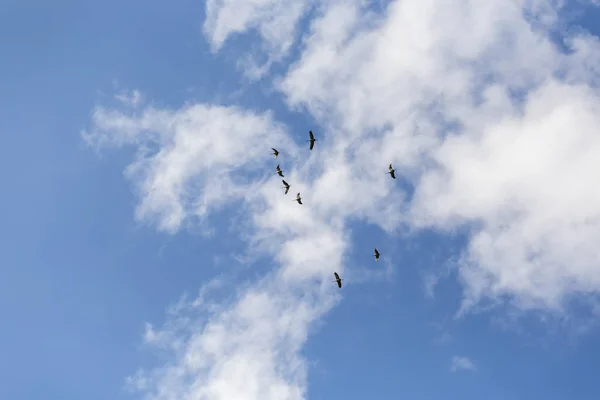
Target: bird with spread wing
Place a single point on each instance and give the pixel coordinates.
(338, 279)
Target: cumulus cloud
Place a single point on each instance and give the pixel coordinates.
(490, 121)
(526, 181)
(462, 363)
(483, 115)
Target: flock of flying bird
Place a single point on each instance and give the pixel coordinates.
(286, 186)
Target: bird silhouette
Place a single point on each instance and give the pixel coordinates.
(312, 139)
(338, 279)
(392, 171)
(286, 186)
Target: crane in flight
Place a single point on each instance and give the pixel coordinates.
(298, 199)
(275, 152)
(312, 139)
(279, 171)
(376, 255)
(286, 186)
(338, 280)
(392, 171)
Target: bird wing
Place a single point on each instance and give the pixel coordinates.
(339, 283)
(376, 252)
(336, 276)
(311, 135)
(390, 167)
(312, 144)
(277, 168)
(287, 187)
(274, 149)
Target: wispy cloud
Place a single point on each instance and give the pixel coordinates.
(462, 363)
(130, 99)
(188, 161)
(181, 157)
(248, 348)
(442, 339)
(274, 20)
(465, 101)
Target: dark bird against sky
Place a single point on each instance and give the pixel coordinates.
(338, 279)
(312, 139)
(286, 186)
(392, 171)
(279, 171)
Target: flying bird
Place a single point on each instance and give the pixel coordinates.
(376, 255)
(286, 186)
(338, 279)
(312, 139)
(279, 171)
(392, 171)
(298, 199)
(274, 153)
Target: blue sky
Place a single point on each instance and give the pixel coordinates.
(149, 252)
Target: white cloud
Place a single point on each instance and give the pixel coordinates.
(182, 158)
(275, 21)
(520, 174)
(429, 86)
(247, 350)
(526, 181)
(188, 161)
(462, 363)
